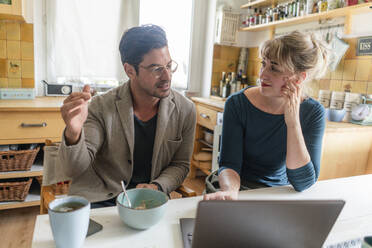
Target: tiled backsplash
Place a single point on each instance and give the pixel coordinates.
(16, 55)
(225, 58)
(353, 74)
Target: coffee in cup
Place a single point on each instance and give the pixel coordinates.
(69, 220)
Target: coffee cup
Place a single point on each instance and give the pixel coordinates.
(325, 97)
(69, 220)
(351, 100)
(367, 242)
(337, 100)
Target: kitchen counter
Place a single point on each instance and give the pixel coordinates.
(215, 102)
(219, 103)
(347, 147)
(37, 104)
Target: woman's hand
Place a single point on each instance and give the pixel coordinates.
(292, 92)
(222, 195)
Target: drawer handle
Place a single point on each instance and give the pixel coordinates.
(44, 124)
(204, 116)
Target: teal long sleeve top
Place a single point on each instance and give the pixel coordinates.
(254, 143)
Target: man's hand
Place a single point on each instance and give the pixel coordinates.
(222, 195)
(147, 186)
(74, 112)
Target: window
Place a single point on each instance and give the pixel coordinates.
(82, 42)
(174, 16)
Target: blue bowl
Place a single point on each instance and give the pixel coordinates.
(336, 115)
(154, 201)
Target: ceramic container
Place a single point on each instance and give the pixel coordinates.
(69, 228)
(336, 115)
(155, 203)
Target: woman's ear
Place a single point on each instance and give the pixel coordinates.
(130, 70)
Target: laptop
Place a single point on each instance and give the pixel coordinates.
(256, 223)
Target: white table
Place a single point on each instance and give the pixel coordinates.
(354, 221)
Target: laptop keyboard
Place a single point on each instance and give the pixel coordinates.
(353, 243)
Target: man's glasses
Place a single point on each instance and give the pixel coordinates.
(158, 70)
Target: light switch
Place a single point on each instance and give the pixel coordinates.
(14, 69)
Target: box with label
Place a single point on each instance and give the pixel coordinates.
(17, 93)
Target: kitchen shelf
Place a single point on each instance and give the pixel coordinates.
(36, 170)
(32, 199)
(355, 9)
(258, 3)
(205, 143)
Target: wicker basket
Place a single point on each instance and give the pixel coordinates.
(61, 188)
(14, 191)
(17, 160)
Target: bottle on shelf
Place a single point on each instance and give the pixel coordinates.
(316, 7)
(290, 11)
(233, 83)
(226, 87)
(256, 18)
(244, 81)
(252, 20)
(222, 82)
(294, 9)
(324, 5)
(309, 6)
(239, 80)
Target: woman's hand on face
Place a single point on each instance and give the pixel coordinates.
(292, 93)
(222, 195)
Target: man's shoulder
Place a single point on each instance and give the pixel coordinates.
(181, 101)
(107, 98)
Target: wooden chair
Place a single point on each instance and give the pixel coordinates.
(49, 192)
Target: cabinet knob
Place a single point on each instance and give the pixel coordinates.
(43, 124)
(204, 116)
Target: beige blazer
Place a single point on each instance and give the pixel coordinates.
(104, 154)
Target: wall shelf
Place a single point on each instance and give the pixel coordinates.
(36, 170)
(346, 11)
(32, 199)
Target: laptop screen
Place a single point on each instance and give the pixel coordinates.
(301, 223)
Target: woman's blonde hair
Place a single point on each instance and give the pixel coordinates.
(298, 52)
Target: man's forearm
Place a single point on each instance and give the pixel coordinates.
(71, 138)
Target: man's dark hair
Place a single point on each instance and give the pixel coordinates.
(138, 41)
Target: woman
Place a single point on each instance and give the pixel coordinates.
(272, 134)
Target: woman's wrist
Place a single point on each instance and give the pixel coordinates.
(294, 124)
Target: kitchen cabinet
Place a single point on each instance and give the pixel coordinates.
(346, 151)
(26, 122)
(207, 110)
(346, 12)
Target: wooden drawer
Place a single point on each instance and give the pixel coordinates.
(28, 125)
(206, 117)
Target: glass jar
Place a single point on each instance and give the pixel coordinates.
(324, 5)
(268, 16)
(276, 14)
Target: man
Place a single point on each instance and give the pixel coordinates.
(140, 132)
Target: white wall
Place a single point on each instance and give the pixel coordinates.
(202, 46)
(39, 20)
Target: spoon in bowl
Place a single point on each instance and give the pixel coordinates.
(126, 195)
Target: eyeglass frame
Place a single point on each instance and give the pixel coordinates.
(164, 67)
